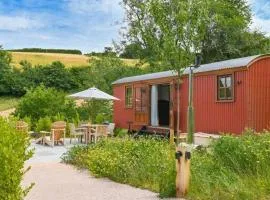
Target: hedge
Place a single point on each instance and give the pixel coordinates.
(13, 153)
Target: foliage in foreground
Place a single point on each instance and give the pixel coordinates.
(13, 153)
(232, 168)
(145, 163)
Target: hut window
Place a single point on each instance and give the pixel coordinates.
(225, 87)
(128, 97)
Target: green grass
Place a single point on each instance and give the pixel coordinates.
(232, 168)
(8, 102)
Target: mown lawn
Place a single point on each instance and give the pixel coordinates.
(8, 102)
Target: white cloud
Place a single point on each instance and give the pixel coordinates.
(15, 23)
(261, 24)
(261, 15)
(90, 6)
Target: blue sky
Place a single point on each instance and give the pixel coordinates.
(88, 25)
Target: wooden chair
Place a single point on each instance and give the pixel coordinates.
(76, 132)
(22, 126)
(111, 127)
(58, 134)
(99, 131)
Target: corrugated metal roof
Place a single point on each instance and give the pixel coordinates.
(146, 77)
(227, 64)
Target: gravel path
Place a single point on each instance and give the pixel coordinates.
(54, 180)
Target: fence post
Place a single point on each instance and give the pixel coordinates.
(182, 156)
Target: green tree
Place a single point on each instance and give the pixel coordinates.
(134, 51)
(108, 69)
(41, 102)
(173, 31)
(5, 71)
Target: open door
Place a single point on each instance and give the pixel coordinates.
(141, 105)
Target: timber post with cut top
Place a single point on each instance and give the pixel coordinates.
(182, 157)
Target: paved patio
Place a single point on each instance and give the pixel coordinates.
(55, 180)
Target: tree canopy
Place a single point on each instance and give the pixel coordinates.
(174, 30)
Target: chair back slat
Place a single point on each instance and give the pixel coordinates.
(102, 130)
(111, 127)
(58, 129)
(22, 126)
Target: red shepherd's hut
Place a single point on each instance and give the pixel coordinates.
(229, 96)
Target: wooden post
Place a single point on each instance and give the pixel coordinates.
(182, 171)
(171, 136)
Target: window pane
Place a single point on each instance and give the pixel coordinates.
(222, 82)
(128, 97)
(229, 93)
(228, 81)
(221, 93)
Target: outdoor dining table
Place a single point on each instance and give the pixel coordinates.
(41, 139)
(91, 131)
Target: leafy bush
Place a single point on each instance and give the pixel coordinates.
(41, 102)
(119, 132)
(96, 111)
(44, 124)
(145, 163)
(13, 153)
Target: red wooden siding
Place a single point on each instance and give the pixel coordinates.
(212, 116)
(121, 115)
(259, 94)
(250, 106)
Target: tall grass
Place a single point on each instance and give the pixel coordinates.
(144, 163)
(234, 168)
(231, 168)
(7, 102)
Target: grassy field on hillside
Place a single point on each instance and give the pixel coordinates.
(69, 60)
(8, 102)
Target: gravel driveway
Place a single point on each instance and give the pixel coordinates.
(56, 181)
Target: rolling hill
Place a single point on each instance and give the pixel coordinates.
(69, 60)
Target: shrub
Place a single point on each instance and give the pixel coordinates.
(145, 163)
(119, 132)
(41, 102)
(55, 76)
(95, 110)
(44, 124)
(13, 153)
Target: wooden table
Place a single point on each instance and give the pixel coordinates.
(41, 139)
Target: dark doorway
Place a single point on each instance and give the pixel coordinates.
(164, 105)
